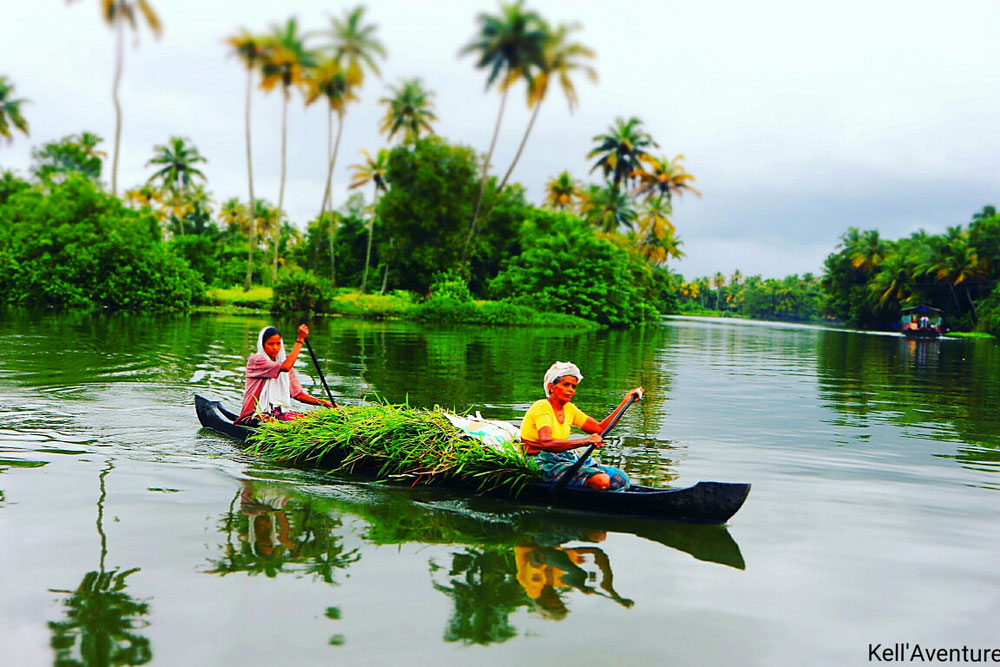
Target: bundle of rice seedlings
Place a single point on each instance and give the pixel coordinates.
(395, 442)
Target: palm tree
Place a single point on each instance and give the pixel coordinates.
(958, 262)
(621, 150)
(986, 213)
(285, 61)
(10, 111)
(409, 109)
(371, 171)
(895, 281)
(329, 80)
(868, 250)
(355, 44)
(268, 221)
(702, 289)
(657, 240)
(235, 216)
(662, 178)
(561, 190)
(251, 49)
(718, 282)
(607, 209)
(510, 46)
(353, 47)
(560, 58)
(148, 196)
(736, 278)
(178, 172)
(116, 14)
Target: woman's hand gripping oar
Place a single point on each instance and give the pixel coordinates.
(320, 373)
(568, 475)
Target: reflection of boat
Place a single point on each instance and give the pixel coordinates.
(705, 502)
(432, 516)
(921, 322)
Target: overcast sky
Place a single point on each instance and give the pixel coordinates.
(799, 119)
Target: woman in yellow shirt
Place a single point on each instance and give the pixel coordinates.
(547, 424)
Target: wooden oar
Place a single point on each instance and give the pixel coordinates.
(318, 371)
(568, 475)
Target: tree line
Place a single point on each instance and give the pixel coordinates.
(435, 210)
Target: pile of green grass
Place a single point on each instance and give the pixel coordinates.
(395, 442)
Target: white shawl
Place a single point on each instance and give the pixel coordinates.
(276, 392)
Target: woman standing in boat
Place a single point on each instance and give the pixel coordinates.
(271, 383)
(546, 428)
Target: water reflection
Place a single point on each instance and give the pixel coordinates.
(548, 569)
(272, 531)
(483, 586)
(488, 583)
(102, 619)
(510, 557)
(947, 391)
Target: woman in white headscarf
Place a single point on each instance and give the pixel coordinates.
(547, 424)
(271, 383)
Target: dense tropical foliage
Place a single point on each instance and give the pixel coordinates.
(428, 225)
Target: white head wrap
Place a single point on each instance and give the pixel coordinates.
(558, 370)
(277, 391)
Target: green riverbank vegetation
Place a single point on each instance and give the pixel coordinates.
(428, 226)
(428, 232)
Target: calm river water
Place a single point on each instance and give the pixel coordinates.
(130, 536)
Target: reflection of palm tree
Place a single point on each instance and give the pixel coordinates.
(485, 591)
(101, 615)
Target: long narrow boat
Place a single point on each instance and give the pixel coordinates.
(705, 502)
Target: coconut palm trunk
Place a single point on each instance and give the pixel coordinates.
(368, 252)
(253, 208)
(119, 64)
(520, 149)
(281, 188)
(328, 190)
(482, 180)
(385, 273)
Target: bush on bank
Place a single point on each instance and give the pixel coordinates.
(567, 267)
(70, 244)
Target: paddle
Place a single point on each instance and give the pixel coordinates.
(319, 372)
(568, 475)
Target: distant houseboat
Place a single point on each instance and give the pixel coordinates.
(921, 322)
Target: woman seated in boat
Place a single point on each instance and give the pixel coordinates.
(546, 427)
(271, 383)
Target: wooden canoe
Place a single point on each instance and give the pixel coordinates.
(705, 502)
